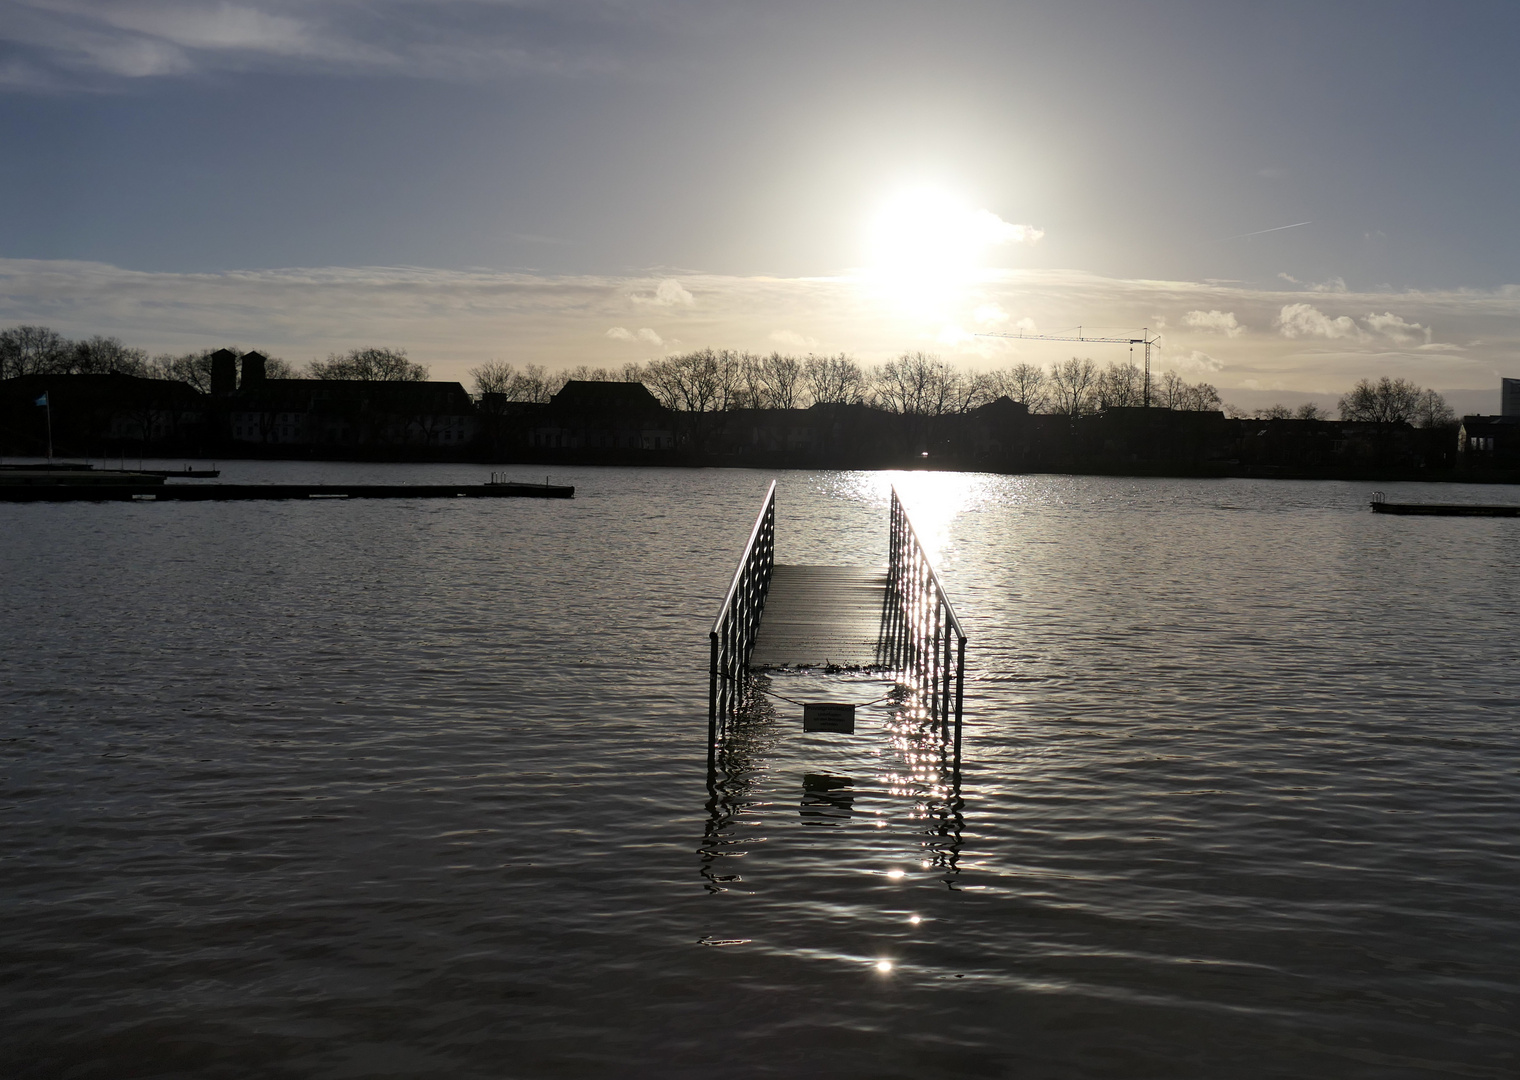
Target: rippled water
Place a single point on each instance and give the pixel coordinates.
(420, 789)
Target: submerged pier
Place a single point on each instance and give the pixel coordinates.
(896, 620)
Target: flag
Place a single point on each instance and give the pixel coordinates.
(41, 401)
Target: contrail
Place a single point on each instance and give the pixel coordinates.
(1259, 232)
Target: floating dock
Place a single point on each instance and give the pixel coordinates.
(1381, 506)
(118, 490)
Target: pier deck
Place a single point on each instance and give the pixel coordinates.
(894, 619)
(820, 615)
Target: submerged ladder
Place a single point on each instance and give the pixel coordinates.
(896, 620)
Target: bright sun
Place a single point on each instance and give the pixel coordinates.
(927, 242)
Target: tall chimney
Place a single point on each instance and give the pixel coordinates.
(253, 370)
(223, 372)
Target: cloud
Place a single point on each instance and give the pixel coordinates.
(669, 293)
(1194, 361)
(455, 319)
(989, 315)
(1330, 285)
(622, 333)
(1215, 322)
(1394, 326)
(69, 43)
(1306, 320)
(793, 340)
(994, 230)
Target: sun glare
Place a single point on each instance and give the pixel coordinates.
(926, 244)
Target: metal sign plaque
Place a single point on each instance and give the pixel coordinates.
(825, 716)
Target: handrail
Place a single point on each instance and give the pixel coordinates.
(733, 631)
(939, 586)
(920, 622)
(767, 507)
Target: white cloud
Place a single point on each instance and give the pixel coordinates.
(1215, 322)
(793, 340)
(989, 315)
(646, 334)
(1026, 326)
(620, 333)
(1306, 320)
(1194, 361)
(994, 230)
(1394, 326)
(669, 293)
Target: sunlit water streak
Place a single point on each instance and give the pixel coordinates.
(420, 789)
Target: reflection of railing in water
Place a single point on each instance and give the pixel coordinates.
(733, 631)
(925, 775)
(930, 754)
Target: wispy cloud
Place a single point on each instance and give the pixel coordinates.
(455, 319)
(790, 339)
(63, 43)
(669, 293)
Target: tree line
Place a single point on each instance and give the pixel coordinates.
(719, 380)
(38, 350)
(914, 383)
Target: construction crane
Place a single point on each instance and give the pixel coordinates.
(1066, 335)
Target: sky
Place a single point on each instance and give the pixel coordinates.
(1294, 196)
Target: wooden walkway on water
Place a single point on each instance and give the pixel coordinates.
(816, 616)
(894, 619)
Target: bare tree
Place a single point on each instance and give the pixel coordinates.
(918, 384)
(1071, 387)
(102, 355)
(783, 378)
(191, 368)
(494, 377)
(532, 383)
(833, 380)
(1202, 397)
(1120, 386)
(1385, 402)
(1169, 391)
(370, 365)
(1022, 382)
(1308, 411)
(32, 350)
(697, 382)
(1431, 411)
(1275, 412)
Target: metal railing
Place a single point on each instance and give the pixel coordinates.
(922, 637)
(733, 631)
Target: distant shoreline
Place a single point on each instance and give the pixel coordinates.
(781, 462)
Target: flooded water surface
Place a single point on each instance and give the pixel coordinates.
(414, 789)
